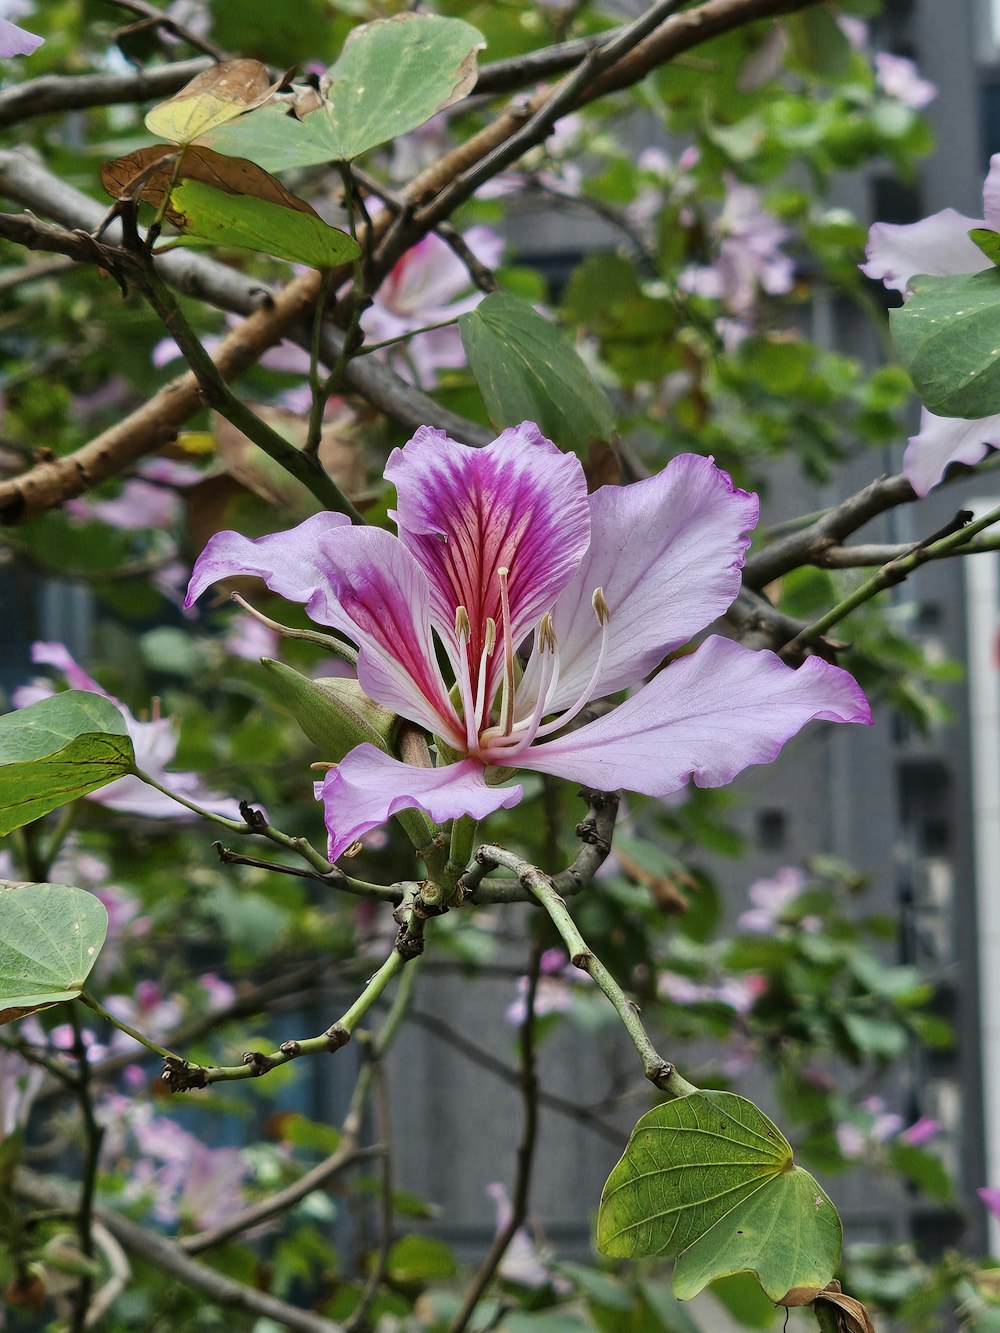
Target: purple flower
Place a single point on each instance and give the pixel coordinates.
(500, 547)
(920, 1132)
(990, 1195)
(770, 898)
(898, 77)
(939, 246)
(20, 1081)
(425, 287)
(750, 257)
(155, 744)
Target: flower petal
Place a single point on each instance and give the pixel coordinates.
(15, 41)
(369, 786)
(944, 440)
(938, 245)
(362, 582)
(518, 502)
(707, 717)
(667, 552)
(991, 194)
(293, 563)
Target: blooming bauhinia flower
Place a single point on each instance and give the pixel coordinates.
(500, 548)
(154, 742)
(939, 246)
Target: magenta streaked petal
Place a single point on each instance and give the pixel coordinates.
(706, 717)
(381, 600)
(938, 245)
(944, 440)
(519, 502)
(668, 552)
(360, 581)
(368, 787)
(293, 564)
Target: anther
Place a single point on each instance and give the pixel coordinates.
(601, 608)
(491, 636)
(546, 634)
(463, 626)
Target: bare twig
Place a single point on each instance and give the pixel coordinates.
(525, 1152)
(151, 17)
(57, 92)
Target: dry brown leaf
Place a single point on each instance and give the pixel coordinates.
(212, 98)
(151, 173)
(851, 1315)
(665, 890)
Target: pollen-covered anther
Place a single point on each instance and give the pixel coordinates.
(547, 642)
(601, 608)
(491, 636)
(463, 625)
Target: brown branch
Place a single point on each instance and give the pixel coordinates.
(56, 92)
(151, 17)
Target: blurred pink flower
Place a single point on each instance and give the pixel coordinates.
(770, 898)
(749, 259)
(20, 1081)
(15, 41)
(920, 1132)
(428, 285)
(990, 1195)
(246, 637)
(524, 1263)
(155, 744)
(898, 77)
(737, 993)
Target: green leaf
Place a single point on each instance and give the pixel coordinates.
(420, 1259)
(987, 241)
(709, 1180)
(258, 224)
(946, 336)
(526, 371)
(392, 76)
(50, 936)
(875, 1036)
(57, 750)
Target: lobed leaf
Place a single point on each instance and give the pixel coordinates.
(212, 98)
(392, 76)
(50, 936)
(709, 1180)
(58, 750)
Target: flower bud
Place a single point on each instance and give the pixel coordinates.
(334, 712)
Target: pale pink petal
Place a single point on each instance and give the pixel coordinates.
(706, 717)
(57, 655)
(667, 552)
(945, 440)
(939, 245)
(368, 787)
(292, 564)
(518, 503)
(14, 41)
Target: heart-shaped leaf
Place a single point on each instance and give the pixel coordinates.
(708, 1180)
(258, 224)
(57, 750)
(527, 371)
(50, 936)
(392, 76)
(946, 336)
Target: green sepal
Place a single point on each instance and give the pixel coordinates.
(334, 712)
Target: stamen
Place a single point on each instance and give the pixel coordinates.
(603, 613)
(463, 632)
(484, 661)
(507, 697)
(547, 646)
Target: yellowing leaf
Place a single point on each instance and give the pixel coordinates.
(211, 98)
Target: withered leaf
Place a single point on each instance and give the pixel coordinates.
(149, 174)
(212, 98)
(851, 1315)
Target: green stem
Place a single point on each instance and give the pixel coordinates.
(890, 574)
(304, 467)
(132, 1032)
(463, 841)
(318, 387)
(402, 337)
(336, 647)
(659, 1071)
(233, 825)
